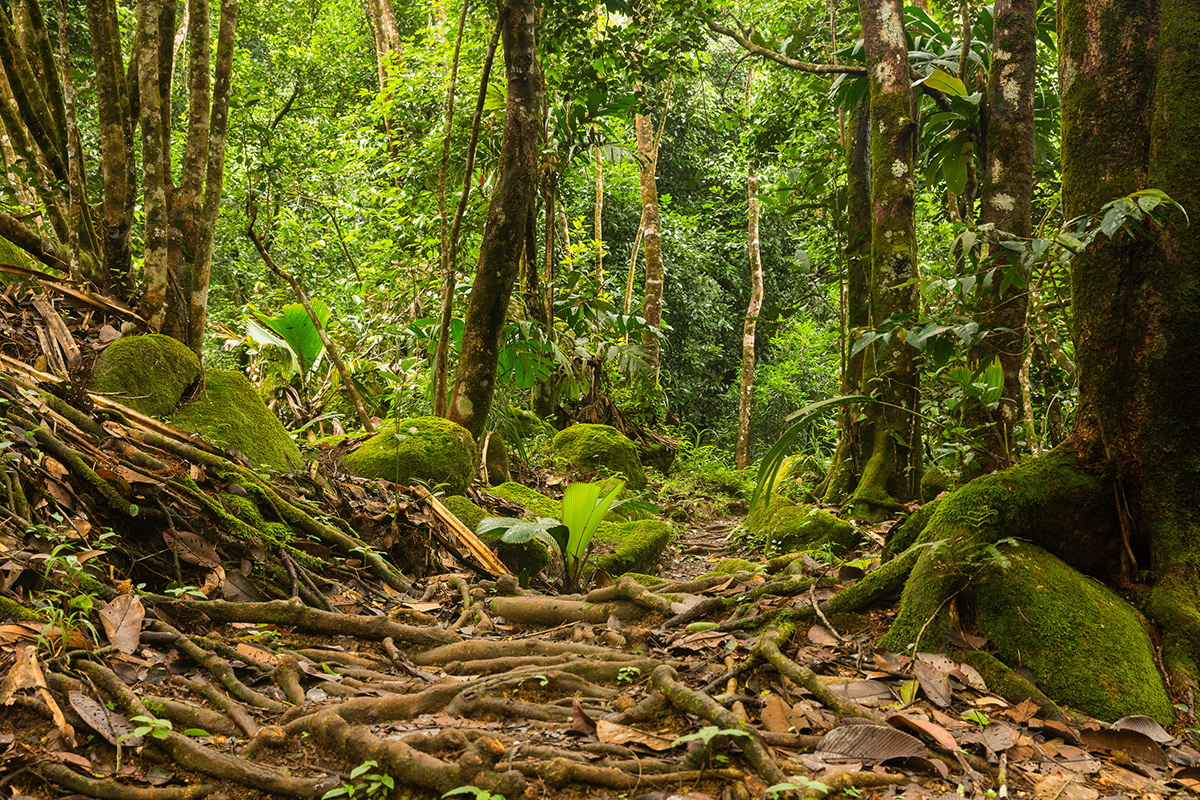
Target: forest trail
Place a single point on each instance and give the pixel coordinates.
(188, 656)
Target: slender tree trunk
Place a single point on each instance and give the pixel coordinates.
(388, 50)
(598, 218)
(155, 170)
(746, 394)
(892, 471)
(1007, 202)
(849, 457)
(450, 276)
(647, 153)
(504, 232)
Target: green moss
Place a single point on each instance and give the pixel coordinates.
(277, 533)
(788, 527)
(147, 373)
(529, 499)
(601, 447)
(905, 535)
(935, 481)
(526, 425)
(1085, 646)
(637, 545)
(464, 509)
(428, 449)
(230, 412)
(243, 508)
(731, 566)
(11, 254)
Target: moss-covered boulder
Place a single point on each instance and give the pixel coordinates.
(1085, 646)
(732, 566)
(788, 527)
(527, 558)
(637, 545)
(599, 448)
(935, 481)
(526, 425)
(230, 412)
(431, 450)
(147, 373)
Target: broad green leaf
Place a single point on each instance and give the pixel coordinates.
(945, 83)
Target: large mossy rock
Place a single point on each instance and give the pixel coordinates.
(1085, 646)
(147, 373)
(599, 448)
(430, 450)
(637, 545)
(788, 527)
(230, 412)
(527, 558)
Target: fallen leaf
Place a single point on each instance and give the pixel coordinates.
(122, 620)
(1143, 725)
(1023, 711)
(999, 737)
(776, 716)
(935, 681)
(924, 728)
(873, 743)
(192, 548)
(612, 733)
(256, 654)
(819, 634)
(1138, 746)
(109, 724)
(580, 721)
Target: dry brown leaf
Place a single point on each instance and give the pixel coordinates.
(1143, 725)
(1138, 746)
(257, 654)
(934, 680)
(1065, 786)
(871, 743)
(581, 722)
(924, 728)
(109, 724)
(122, 620)
(612, 733)
(776, 716)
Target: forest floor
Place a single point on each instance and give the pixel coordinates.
(321, 671)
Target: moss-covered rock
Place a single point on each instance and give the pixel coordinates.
(230, 412)
(470, 514)
(527, 425)
(637, 545)
(905, 535)
(427, 449)
(788, 527)
(496, 462)
(935, 481)
(732, 566)
(1085, 646)
(601, 447)
(147, 373)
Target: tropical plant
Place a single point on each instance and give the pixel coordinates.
(584, 508)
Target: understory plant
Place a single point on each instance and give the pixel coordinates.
(584, 508)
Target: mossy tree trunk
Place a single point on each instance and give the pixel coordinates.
(507, 220)
(1006, 204)
(892, 437)
(1130, 74)
(746, 393)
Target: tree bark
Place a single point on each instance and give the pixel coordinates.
(504, 231)
(892, 471)
(746, 393)
(1006, 203)
(647, 157)
(155, 170)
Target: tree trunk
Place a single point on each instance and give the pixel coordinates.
(598, 219)
(848, 460)
(892, 471)
(1006, 203)
(647, 156)
(746, 394)
(504, 233)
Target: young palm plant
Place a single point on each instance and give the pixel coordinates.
(584, 508)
